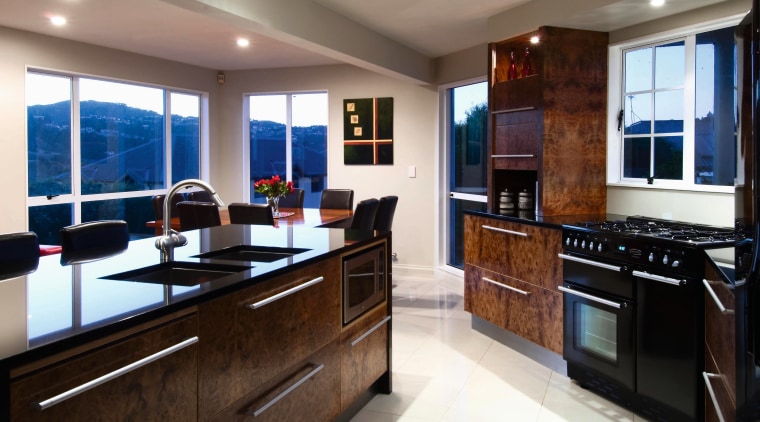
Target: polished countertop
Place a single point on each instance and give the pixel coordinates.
(551, 221)
(60, 306)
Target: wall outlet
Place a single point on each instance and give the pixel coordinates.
(412, 171)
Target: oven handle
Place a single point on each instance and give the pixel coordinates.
(661, 279)
(592, 297)
(723, 310)
(590, 262)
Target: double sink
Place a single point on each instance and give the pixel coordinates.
(180, 273)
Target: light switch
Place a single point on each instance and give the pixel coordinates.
(412, 171)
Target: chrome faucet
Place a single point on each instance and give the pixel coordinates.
(170, 238)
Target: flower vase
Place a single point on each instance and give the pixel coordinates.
(274, 201)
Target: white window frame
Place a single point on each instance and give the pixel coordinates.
(614, 103)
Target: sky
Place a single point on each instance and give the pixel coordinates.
(309, 109)
(465, 97)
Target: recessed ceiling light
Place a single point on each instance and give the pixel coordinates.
(534, 39)
(58, 20)
(242, 42)
(657, 3)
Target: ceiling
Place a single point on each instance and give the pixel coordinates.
(203, 32)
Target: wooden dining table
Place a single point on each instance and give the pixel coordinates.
(288, 217)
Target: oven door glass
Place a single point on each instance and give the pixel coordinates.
(598, 334)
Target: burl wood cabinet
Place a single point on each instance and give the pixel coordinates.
(720, 348)
(105, 380)
(511, 276)
(547, 129)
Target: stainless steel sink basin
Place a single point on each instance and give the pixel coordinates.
(252, 253)
(178, 273)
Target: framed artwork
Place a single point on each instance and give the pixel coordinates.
(368, 131)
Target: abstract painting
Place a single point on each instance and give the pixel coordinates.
(368, 131)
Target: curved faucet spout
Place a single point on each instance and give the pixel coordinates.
(171, 238)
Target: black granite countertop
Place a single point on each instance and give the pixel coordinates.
(552, 221)
(60, 306)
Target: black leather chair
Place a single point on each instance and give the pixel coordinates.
(19, 254)
(242, 213)
(293, 199)
(385, 211)
(199, 196)
(198, 215)
(342, 199)
(158, 205)
(93, 240)
(364, 215)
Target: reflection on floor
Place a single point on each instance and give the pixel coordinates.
(443, 370)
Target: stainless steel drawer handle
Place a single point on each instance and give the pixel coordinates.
(513, 155)
(661, 279)
(287, 391)
(278, 296)
(592, 297)
(496, 229)
(723, 310)
(514, 110)
(114, 374)
(371, 330)
(707, 376)
(589, 262)
(514, 289)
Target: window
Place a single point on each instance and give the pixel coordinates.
(96, 150)
(288, 138)
(675, 111)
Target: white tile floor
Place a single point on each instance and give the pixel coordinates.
(443, 370)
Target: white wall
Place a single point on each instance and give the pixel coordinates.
(23, 49)
(415, 137)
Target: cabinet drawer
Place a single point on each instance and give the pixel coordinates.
(720, 327)
(308, 391)
(726, 404)
(364, 353)
(252, 335)
(529, 311)
(522, 251)
(516, 140)
(163, 389)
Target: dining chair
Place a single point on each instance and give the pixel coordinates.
(158, 204)
(93, 240)
(293, 199)
(19, 254)
(243, 213)
(199, 196)
(198, 215)
(385, 211)
(364, 215)
(342, 199)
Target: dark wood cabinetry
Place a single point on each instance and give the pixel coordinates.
(145, 374)
(364, 353)
(511, 276)
(720, 348)
(547, 130)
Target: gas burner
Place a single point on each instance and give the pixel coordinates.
(676, 231)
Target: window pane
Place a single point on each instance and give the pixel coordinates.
(668, 111)
(638, 70)
(714, 125)
(670, 65)
(135, 211)
(668, 157)
(638, 114)
(268, 132)
(122, 137)
(48, 100)
(636, 156)
(185, 136)
(47, 220)
(309, 145)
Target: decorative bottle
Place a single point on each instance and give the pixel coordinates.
(512, 71)
(527, 70)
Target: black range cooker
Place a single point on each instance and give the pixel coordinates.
(633, 311)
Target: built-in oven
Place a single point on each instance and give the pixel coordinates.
(364, 280)
(599, 326)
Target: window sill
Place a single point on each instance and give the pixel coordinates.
(673, 187)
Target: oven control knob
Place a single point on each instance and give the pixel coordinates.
(665, 260)
(583, 244)
(567, 241)
(591, 245)
(600, 247)
(676, 264)
(575, 243)
(652, 258)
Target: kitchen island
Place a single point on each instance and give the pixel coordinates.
(264, 337)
